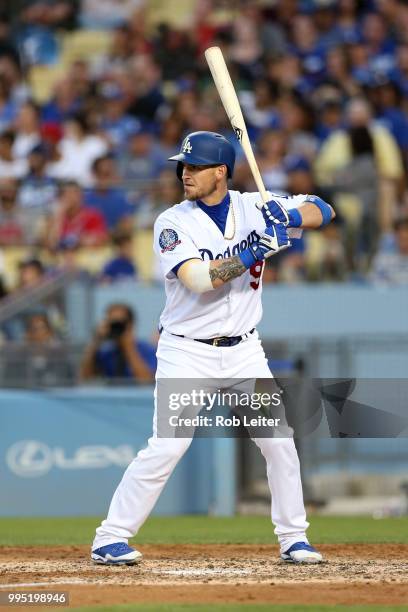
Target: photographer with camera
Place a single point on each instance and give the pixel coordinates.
(115, 353)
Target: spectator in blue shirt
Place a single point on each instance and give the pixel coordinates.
(63, 105)
(380, 44)
(8, 107)
(107, 196)
(121, 266)
(324, 17)
(116, 123)
(347, 21)
(37, 42)
(360, 68)
(390, 265)
(141, 164)
(329, 118)
(386, 97)
(38, 190)
(307, 46)
(115, 352)
(400, 73)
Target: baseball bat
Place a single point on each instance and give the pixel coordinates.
(229, 99)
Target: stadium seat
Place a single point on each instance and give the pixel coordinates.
(143, 253)
(43, 79)
(177, 14)
(84, 44)
(93, 259)
(12, 257)
(315, 246)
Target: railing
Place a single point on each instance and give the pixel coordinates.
(32, 367)
(19, 301)
(29, 366)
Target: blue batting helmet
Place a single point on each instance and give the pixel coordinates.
(205, 149)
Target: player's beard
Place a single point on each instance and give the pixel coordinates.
(200, 193)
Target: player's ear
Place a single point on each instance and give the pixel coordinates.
(222, 171)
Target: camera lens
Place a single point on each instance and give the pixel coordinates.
(116, 328)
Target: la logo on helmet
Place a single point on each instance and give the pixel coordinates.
(187, 148)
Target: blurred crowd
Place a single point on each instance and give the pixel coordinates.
(323, 86)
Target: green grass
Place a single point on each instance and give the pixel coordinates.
(202, 529)
(238, 608)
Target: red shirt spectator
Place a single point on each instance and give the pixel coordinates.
(75, 224)
(11, 217)
(11, 233)
(86, 225)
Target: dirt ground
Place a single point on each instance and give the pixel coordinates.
(365, 574)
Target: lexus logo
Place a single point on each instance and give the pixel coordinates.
(31, 458)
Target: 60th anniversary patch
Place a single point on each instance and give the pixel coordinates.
(168, 240)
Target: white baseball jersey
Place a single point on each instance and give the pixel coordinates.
(183, 232)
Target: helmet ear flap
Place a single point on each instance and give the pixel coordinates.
(179, 171)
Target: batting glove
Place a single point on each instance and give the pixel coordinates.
(273, 212)
(274, 239)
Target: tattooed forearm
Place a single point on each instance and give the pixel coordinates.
(224, 270)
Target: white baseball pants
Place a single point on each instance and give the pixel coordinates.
(146, 476)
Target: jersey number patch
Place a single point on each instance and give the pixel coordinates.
(256, 273)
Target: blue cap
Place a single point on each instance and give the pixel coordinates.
(112, 91)
(294, 163)
(205, 149)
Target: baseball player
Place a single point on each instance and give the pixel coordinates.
(212, 247)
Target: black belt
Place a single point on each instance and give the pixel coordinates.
(220, 341)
